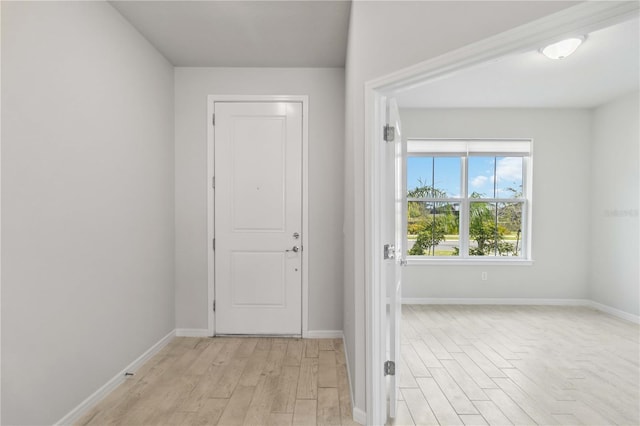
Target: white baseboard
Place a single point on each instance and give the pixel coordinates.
(508, 301)
(75, 414)
(492, 301)
(192, 332)
(324, 334)
(359, 416)
(613, 311)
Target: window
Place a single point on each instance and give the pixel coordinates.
(468, 199)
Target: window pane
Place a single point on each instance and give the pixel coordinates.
(481, 175)
(447, 177)
(508, 177)
(495, 229)
(433, 229)
(419, 176)
(483, 232)
(510, 229)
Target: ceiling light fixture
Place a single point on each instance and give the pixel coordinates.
(562, 49)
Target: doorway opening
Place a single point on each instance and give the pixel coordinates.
(580, 19)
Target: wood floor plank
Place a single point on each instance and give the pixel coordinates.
(456, 396)
(285, 394)
(473, 420)
(413, 361)
(465, 381)
(445, 340)
(294, 352)
(536, 411)
(236, 409)
(275, 359)
(492, 413)
(566, 420)
(482, 361)
(308, 380)
(509, 408)
(280, 419)
(407, 379)
(327, 373)
(344, 395)
(328, 407)
(255, 367)
(233, 370)
(418, 407)
(260, 407)
(311, 348)
(438, 402)
(434, 345)
(209, 413)
(425, 354)
(325, 344)
(474, 371)
(305, 412)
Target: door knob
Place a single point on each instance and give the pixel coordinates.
(294, 249)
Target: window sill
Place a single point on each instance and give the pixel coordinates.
(469, 262)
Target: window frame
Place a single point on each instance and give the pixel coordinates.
(465, 201)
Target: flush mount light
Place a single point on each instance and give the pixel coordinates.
(562, 49)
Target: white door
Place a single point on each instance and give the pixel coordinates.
(394, 232)
(258, 217)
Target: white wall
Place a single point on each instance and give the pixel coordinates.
(325, 88)
(613, 273)
(386, 36)
(87, 203)
(560, 238)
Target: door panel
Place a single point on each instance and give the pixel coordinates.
(258, 209)
(266, 268)
(259, 173)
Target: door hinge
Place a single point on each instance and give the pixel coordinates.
(213, 244)
(214, 306)
(213, 182)
(213, 119)
(389, 251)
(389, 133)
(389, 368)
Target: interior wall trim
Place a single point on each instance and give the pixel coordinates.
(74, 415)
(522, 302)
(324, 334)
(192, 332)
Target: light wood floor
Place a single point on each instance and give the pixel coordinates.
(502, 365)
(234, 381)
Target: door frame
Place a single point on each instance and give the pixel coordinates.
(580, 19)
(211, 100)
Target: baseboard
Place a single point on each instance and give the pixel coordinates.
(492, 301)
(324, 334)
(613, 311)
(508, 301)
(359, 416)
(192, 332)
(75, 414)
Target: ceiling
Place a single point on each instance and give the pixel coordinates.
(314, 33)
(606, 66)
(244, 33)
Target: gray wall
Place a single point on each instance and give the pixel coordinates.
(413, 32)
(613, 272)
(560, 238)
(87, 199)
(325, 88)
